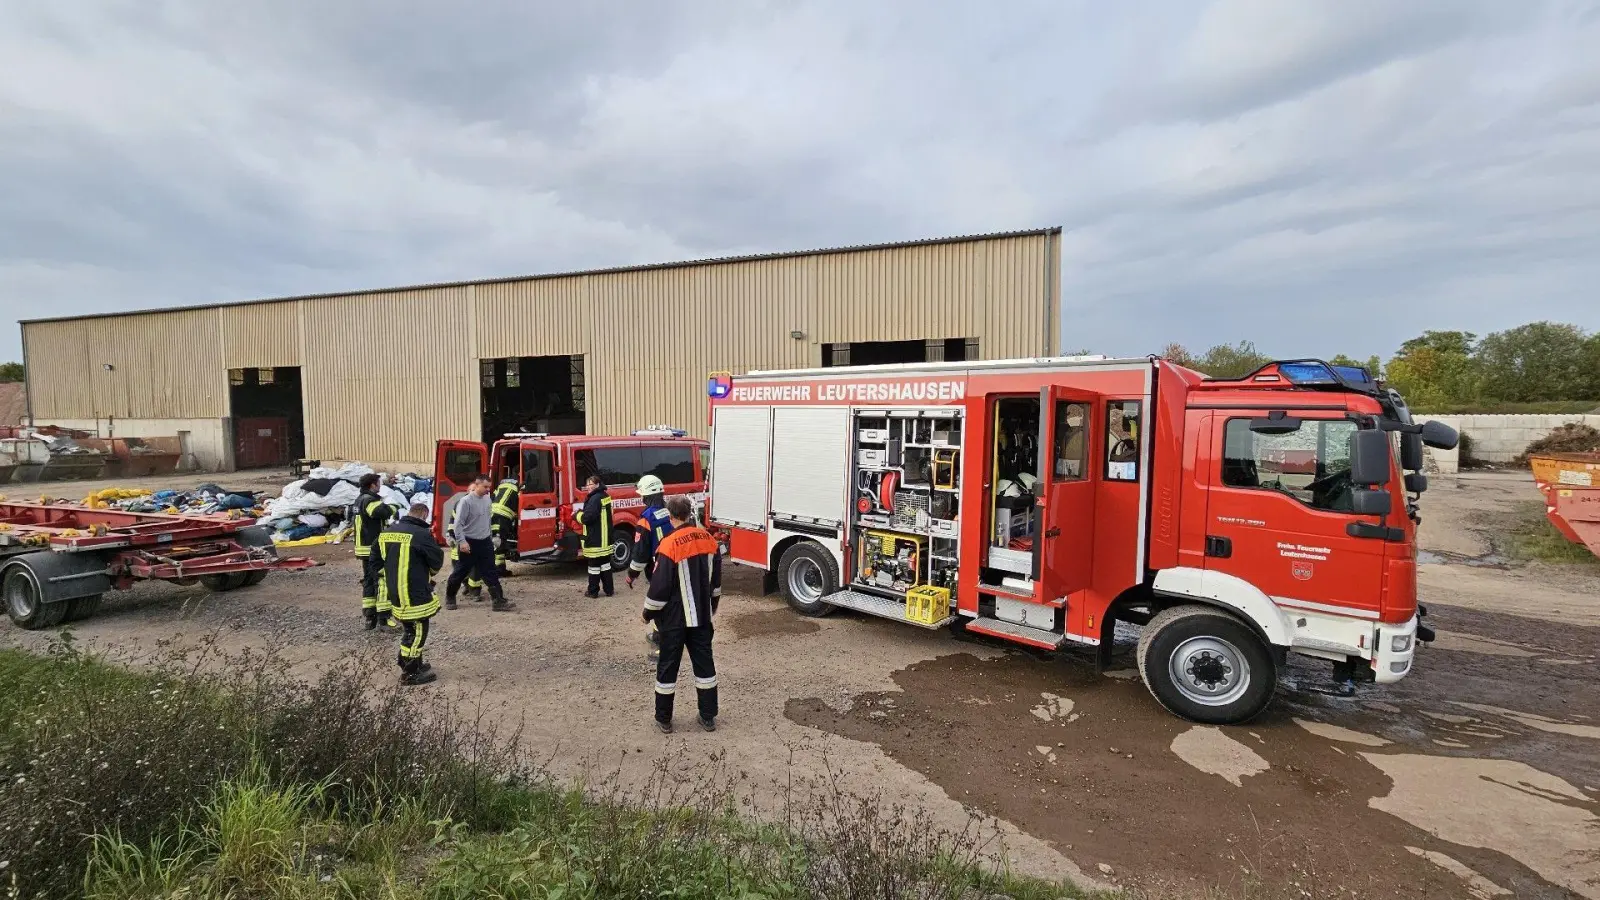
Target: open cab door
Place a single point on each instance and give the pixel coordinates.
(455, 465)
(537, 509)
(1063, 552)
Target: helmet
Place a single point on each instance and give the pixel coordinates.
(650, 484)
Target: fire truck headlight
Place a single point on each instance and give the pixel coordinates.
(1400, 643)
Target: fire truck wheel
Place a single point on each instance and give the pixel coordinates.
(807, 573)
(1206, 666)
(255, 577)
(80, 608)
(24, 601)
(621, 547)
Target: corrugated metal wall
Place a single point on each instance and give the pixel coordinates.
(385, 374)
(261, 335)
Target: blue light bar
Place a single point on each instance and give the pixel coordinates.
(1354, 374)
(718, 385)
(1307, 373)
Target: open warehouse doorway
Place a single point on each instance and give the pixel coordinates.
(532, 393)
(268, 416)
(885, 353)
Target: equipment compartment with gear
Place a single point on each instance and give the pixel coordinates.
(906, 504)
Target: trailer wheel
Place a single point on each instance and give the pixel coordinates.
(227, 581)
(1206, 666)
(806, 574)
(25, 602)
(80, 608)
(621, 547)
(254, 577)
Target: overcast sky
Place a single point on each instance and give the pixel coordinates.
(1317, 176)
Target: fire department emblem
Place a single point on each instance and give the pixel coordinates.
(1301, 570)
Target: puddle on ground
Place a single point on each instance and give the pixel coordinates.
(1345, 735)
(773, 622)
(1509, 807)
(1445, 558)
(1540, 723)
(1213, 752)
(1477, 885)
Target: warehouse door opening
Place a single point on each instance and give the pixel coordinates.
(532, 394)
(885, 353)
(268, 417)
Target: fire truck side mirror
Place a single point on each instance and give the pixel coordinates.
(1411, 452)
(1369, 502)
(1439, 436)
(1369, 457)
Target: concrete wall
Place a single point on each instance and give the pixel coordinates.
(206, 440)
(1498, 438)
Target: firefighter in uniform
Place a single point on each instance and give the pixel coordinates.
(685, 588)
(411, 558)
(503, 516)
(474, 583)
(654, 525)
(371, 515)
(596, 521)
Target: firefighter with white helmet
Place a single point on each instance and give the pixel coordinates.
(654, 524)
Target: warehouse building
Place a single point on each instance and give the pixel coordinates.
(600, 352)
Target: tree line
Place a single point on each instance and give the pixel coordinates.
(1541, 363)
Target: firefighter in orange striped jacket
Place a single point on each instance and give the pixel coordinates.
(685, 588)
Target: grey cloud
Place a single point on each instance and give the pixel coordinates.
(1319, 177)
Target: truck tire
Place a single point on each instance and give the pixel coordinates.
(225, 582)
(255, 577)
(1205, 665)
(25, 602)
(621, 547)
(806, 574)
(80, 608)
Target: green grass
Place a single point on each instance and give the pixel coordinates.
(182, 786)
(1535, 539)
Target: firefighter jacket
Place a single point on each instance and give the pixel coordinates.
(410, 557)
(371, 514)
(654, 526)
(596, 521)
(504, 505)
(686, 585)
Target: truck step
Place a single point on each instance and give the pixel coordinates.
(873, 605)
(1023, 634)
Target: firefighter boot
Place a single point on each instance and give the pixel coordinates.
(418, 677)
(501, 604)
(372, 618)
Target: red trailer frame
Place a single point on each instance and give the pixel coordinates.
(58, 559)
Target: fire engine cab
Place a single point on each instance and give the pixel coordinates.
(550, 471)
(1041, 501)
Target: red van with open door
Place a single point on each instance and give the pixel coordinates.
(550, 471)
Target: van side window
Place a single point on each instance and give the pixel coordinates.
(673, 464)
(1310, 464)
(1072, 441)
(461, 466)
(1124, 430)
(616, 466)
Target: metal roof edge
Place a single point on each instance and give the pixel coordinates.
(958, 366)
(616, 270)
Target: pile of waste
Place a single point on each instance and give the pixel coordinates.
(319, 509)
(206, 499)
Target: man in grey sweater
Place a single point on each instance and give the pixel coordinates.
(473, 530)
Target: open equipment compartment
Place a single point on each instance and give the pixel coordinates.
(905, 481)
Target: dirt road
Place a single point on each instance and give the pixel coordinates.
(1477, 776)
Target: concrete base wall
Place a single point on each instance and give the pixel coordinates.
(1498, 438)
(206, 441)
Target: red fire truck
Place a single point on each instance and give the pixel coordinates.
(1042, 501)
(550, 471)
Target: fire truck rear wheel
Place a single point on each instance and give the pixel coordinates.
(25, 602)
(255, 577)
(807, 573)
(1206, 666)
(224, 582)
(621, 547)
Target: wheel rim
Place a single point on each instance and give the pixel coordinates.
(620, 552)
(19, 595)
(1209, 671)
(805, 580)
